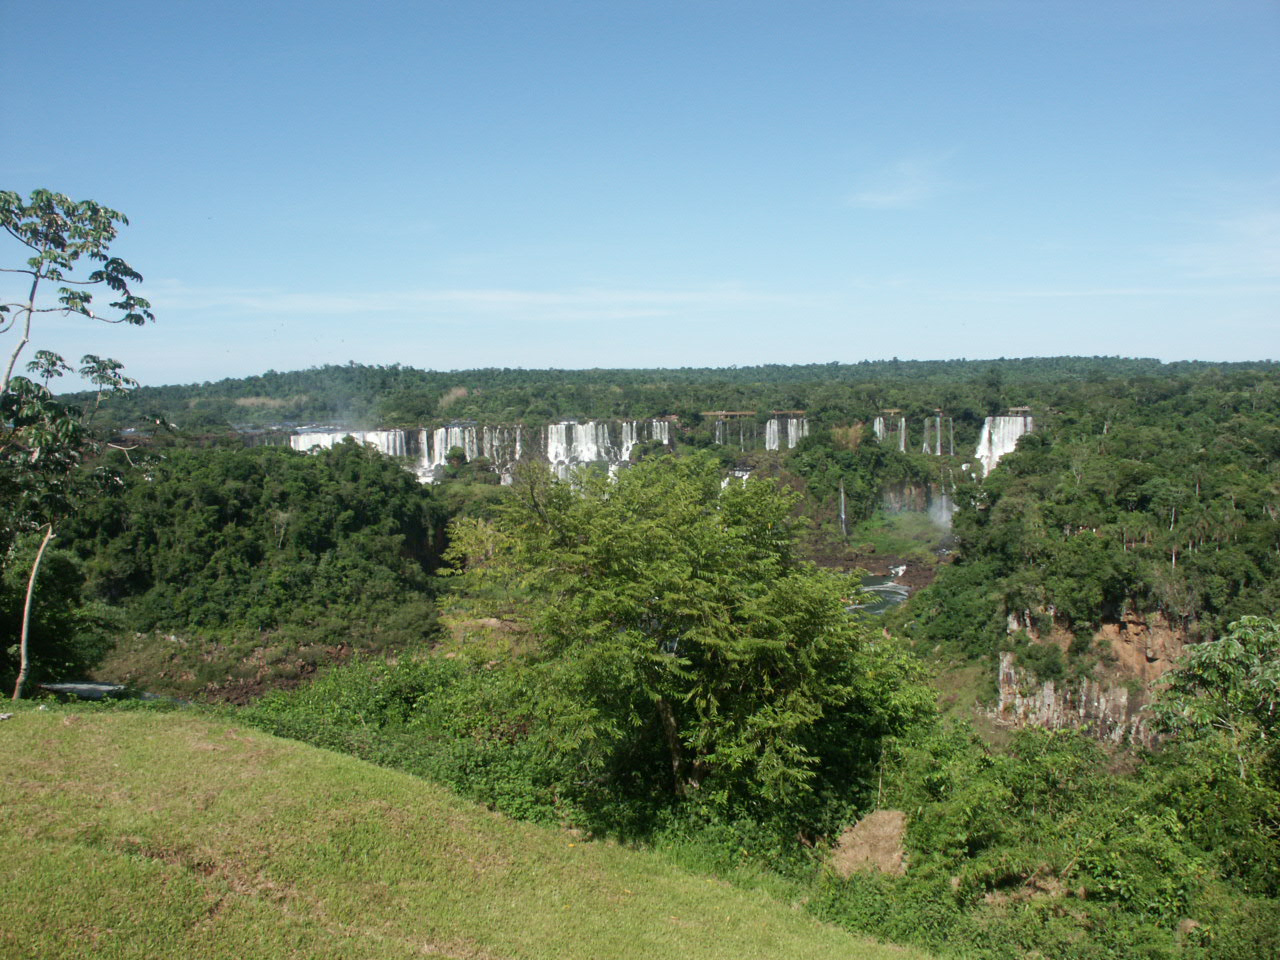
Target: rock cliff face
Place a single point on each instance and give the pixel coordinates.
(1144, 648)
(1111, 705)
(1112, 712)
(931, 498)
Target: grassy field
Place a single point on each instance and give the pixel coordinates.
(168, 834)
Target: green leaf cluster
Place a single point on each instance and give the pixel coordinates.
(1046, 849)
(219, 538)
(685, 651)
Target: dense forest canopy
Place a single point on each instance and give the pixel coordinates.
(1150, 496)
(199, 556)
(1145, 486)
(395, 395)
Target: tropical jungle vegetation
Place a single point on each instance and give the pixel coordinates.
(655, 658)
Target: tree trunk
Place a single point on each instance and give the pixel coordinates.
(672, 732)
(29, 310)
(23, 662)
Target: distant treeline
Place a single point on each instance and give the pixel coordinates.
(395, 395)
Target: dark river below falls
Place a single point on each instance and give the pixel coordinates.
(884, 593)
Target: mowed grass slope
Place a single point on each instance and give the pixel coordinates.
(171, 835)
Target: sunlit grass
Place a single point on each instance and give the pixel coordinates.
(171, 834)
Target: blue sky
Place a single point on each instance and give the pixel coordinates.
(705, 182)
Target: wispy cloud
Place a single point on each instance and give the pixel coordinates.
(906, 185)
(1084, 291)
(575, 304)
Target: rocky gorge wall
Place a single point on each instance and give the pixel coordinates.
(931, 498)
(1112, 703)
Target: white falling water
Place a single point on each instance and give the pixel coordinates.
(724, 434)
(501, 446)
(934, 429)
(941, 509)
(630, 437)
(444, 439)
(556, 442)
(633, 432)
(771, 434)
(883, 432)
(999, 437)
(390, 442)
(797, 429)
(570, 444)
(565, 445)
(425, 470)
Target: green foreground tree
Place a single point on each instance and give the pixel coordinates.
(1221, 709)
(41, 439)
(685, 649)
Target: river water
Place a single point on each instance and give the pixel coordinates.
(884, 592)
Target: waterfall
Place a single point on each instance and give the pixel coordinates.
(880, 427)
(941, 509)
(797, 428)
(556, 443)
(999, 437)
(563, 446)
(630, 437)
(724, 433)
(933, 428)
(570, 444)
(771, 434)
(389, 442)
(590, 442)
(501, 446)
(444, 439)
